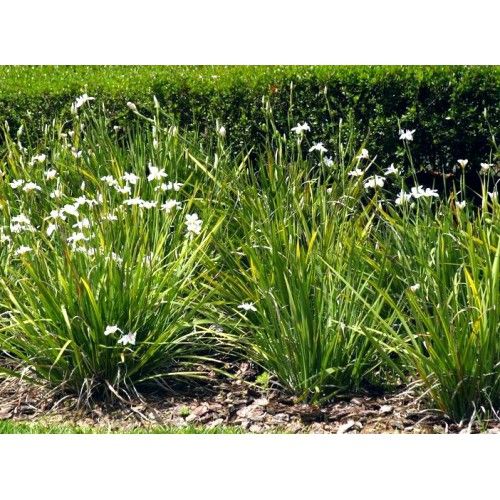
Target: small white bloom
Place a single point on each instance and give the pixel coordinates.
(429, 193)
(128, 338)
(21, 219)
(357, 172)
(110, 217)
(364, 155)
(57, 193)
(76, 153)
(109, 180)
(193, 224)
(51, 174)
(80, 101)
(403, 197)
(463, 163)
(51, 228)
(134, 201)
(406, 135)
(110, 329)
(328, 161)
(149, 204)
(318, 147)
(132, 106)
(300, 129)
(155, 173)
(392, 170)
(57, 214)
(485, 167)
(247, 306)
(373, 182)
(22, 250)
(76, 237)
(31, 186)
(493, 196)
(130, 177)
(222, 132)
(170, 204)
(38, 159)
(417, 192)
(415, 287)
(83, 224)
(123, 190)
(16, 183)
(460, 204)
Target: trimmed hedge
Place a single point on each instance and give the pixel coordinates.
(443, 103)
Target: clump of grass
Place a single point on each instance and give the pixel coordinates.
(103, 259)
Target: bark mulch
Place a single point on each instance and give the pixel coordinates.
(236, 403)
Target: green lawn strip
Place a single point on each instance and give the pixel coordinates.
(23, 427)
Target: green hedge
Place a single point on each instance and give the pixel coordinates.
(444, 104)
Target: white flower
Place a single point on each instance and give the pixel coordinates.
(328, 161)
(16, 183)
(406, 135)
(116, 128)
(170, 204)
(415, 287)
(247, 306)
(222, 132)
(109, 180)
(70, 210)
(57, 214)
(463, 163)
(132, 106)
(80, 101)
(57, 193)
(429, 193)
(110, 329)
(149, 204)
(133, 201)
(176, 186)
(460, 204)
(417, 192)
(31, 186)
(110, 217)
(392, 170)
(51, 228)
(403, 197)
(84, 223)
(485, 167)
(123, 190)
(51, 174)
(116, 258)
(4, 238)
(357, 172)
(76, 153)
(318, 147)
(193, 224)
(364, 155)
(130, 178)
(22, 250)
(373, 182)
(21, 219)
(38, 158)
(155, 174)
(76, 237)
(300, 129)
(128, 338)
(493, 196)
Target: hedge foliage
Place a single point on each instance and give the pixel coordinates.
(444, 104)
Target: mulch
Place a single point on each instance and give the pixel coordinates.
(237, 403)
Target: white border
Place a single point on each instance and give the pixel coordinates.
(249, 32)
(248, 467)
